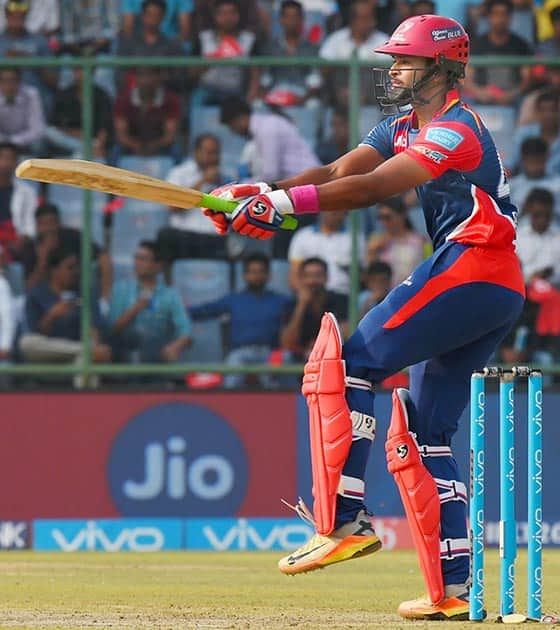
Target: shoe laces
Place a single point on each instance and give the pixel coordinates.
(301, 509)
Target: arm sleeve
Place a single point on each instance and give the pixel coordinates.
(180, 318)
(210, 309)
(440, 147)
(381, 138)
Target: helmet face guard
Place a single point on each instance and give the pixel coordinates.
(393, 100)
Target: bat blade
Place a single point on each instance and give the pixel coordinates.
(119, 181)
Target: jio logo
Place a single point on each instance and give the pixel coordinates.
(177, 459)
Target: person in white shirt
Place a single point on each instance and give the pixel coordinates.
(18, 201)
(7, 319)
(538, 240)
(332, 242)
(190, 234)
(360, 35)
(22, 119)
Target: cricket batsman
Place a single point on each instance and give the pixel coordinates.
(444, 321)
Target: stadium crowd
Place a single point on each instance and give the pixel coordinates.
(166, 288)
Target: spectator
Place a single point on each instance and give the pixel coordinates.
(148, 320)
(250, 15)
(285, 85)
(51, 235)
(538, 240)
(87, 26)
(147, 118)
(226, 39)
(538, 247)
(64, 133)
(22, 121)
(18, 201)
(279, 149)
(191, 234)
(551, 83)
(550, 47)
(16, 41)
(338, 142)
(7, 319)
(53, 314)
(499, 85)
(43, 16)
(176, 20)
(151, 42)
(330, 241)
(427, 7)
(312, 300)
(546, 127)
(256, 315)
(360, 35)
(378, 282)
(534, 156)
(399, 244)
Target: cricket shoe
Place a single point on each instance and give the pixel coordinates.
(453, 607)
(351, 540)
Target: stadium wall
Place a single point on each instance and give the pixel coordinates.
(207, 469)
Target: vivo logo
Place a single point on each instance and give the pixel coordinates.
(245, 536)
(537, 477)
(93, 537)
(166, 472)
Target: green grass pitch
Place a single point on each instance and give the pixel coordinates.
(191, 590)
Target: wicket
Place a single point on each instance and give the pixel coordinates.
(508, 540)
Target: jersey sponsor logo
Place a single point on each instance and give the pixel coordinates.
(446, 138)
(440, 34)
(432, 154)
(401, 141)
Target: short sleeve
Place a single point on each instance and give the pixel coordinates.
(446, 146)
(381, 139)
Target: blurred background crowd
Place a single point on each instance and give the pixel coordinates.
(165, 287)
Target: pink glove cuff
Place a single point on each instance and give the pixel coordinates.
(305, 199)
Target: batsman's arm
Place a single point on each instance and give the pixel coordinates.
(358, 161)
(397, 175)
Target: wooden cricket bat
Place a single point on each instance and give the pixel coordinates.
(119, 181)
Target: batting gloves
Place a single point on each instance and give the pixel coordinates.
(232, 192)
(262, 215)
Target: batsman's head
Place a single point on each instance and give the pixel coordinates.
(429, 53)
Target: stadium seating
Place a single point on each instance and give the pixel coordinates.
(70, 204)
(201, 281)
(136, 221)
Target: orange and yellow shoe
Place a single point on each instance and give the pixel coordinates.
(449, 609)
(352, 540)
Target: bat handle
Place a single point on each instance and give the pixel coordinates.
(223, 205)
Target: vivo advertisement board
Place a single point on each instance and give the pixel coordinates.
(263, 534)
(108, 535)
